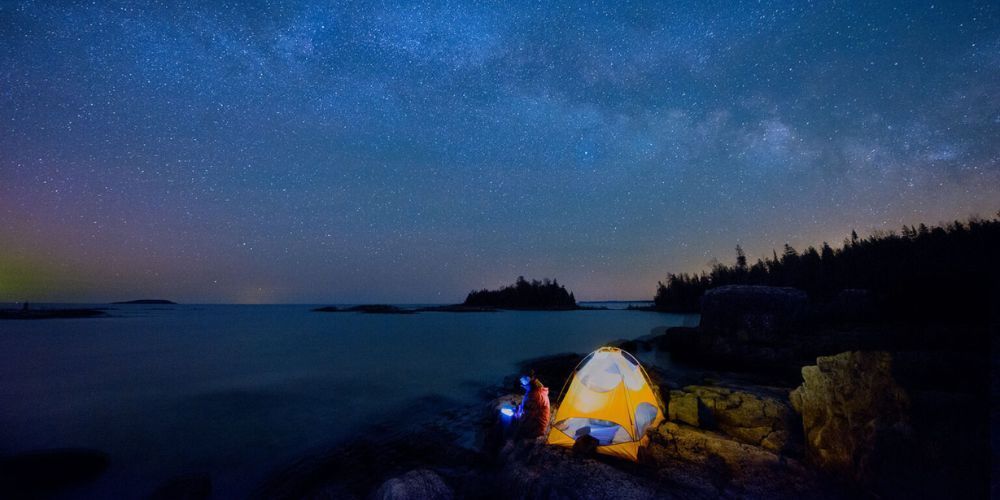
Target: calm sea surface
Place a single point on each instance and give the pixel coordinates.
(235, 391)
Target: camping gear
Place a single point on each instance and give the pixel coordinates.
(611, 400)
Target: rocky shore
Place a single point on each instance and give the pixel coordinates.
(774, 400)
(780, 398)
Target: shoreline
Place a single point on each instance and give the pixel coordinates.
(464, 462)
(36, 314)
(806, 407)
(751, 411)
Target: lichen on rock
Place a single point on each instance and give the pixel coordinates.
(854, 414)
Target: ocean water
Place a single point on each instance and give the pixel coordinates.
(235, 391)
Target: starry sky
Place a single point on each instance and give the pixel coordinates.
(325, 152)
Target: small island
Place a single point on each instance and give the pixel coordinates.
(367, 309)
(459, 308)
(26, 312)
(537, 295)
(147, 302)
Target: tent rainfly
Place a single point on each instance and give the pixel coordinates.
(611, 399)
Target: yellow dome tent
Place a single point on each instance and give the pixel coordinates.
(611, 399)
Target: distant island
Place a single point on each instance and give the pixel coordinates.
(388, 309)
(367, 308)
(534, 295)
(458, 308)
(27, 312)
(526, 295)
(147, 301)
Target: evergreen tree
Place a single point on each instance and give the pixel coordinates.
(524, 294)
(949, 268)
(741, 259)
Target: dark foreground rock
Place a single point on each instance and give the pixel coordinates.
(775, 330)
(421, 484)
(532, 469)
(870, 424)
(192, 487)
(756, 313)
(431, 433)
(743, 328)
(41, 474)
(434, 461)
(679, 462)
(711, 465)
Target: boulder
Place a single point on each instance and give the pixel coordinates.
(44, 473)
(677, 338)
(750, 328)
(714, 465)
(190, 487)
(531, 469)
(757, 418)
(854, 414)
(683, 407)
(760, 314)
(679, 462)
(331, 492)
(851, 304)
(438, 441)
(421, 484)
(585, 446)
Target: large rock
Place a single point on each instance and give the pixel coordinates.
(419, 484)
(854, 414)
(425, 440)
(41, 474)
(851, 304)
(714, 465)
(679, 462)
(757, 418)
(586, 446)
(749, 328)
(729, 352)
(677, 339)
(761, 314)
(683, 407)
(532, 469)
(189, 487)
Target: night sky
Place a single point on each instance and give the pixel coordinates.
(311, 153)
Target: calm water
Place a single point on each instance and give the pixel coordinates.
(235, 391)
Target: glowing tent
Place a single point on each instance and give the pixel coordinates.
(610, 398)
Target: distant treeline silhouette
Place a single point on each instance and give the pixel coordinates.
(947, 269)
(524, 294)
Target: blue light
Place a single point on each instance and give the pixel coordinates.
(507, 411)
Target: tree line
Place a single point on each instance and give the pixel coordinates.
(524, 294)
(921, 270)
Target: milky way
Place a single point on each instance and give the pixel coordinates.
(304, 152)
